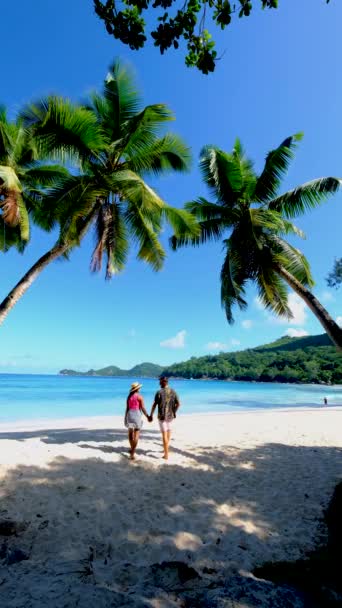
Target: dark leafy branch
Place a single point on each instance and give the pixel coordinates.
(334, 278)
(187, 23)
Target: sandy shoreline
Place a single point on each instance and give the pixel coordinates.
(239, 489)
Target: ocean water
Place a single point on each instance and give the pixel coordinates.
(26, 397)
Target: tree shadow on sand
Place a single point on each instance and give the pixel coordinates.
(219, 511)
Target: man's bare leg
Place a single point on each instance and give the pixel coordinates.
(166, 441)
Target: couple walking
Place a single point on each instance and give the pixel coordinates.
(167, 402)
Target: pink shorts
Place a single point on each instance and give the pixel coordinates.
(165, 425)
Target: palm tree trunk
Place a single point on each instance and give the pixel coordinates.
(22, 286)
(330, 326)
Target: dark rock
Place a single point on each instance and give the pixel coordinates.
(173, 574)
(14, 556)
(207, 570)
(3, 551)
(9, 527)
(10, 556)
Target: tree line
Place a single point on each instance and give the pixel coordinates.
(312, 365)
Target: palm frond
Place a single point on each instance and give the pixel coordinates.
(272, 291)
(141, 131)
(143, 232)
(64, 130)
(168, 153)
(184, 224)
(292, 259)
(233, 280)
(272, 221)
(132, 189)
(222, 174)
(205, 210)
(305, 197)
(276, 165)
(72, 199)
(5, 136)
(122, 97)
(43, 176)
(212, 220)
(10, 237)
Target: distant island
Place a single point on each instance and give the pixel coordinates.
(309, 360)
(143, 370)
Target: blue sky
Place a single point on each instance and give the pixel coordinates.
(280, 74)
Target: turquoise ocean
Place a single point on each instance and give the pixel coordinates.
(29, 397)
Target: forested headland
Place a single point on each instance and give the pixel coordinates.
(312, 359)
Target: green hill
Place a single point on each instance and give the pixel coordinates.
(311, 359)
(143, 370)
(286, 343)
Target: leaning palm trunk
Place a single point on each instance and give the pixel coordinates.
(22, 286)
(330, 326)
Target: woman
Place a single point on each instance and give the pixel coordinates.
(133, 416)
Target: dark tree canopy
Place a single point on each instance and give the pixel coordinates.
(334, 278)
(174, 21)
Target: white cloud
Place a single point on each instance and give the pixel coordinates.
(326, 296)
(235, 342)
(247, 324)
(296, 333)
(298, 309)
(339, 321)
(178, 341)
(216, 346)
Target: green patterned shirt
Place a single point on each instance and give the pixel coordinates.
(167, 401)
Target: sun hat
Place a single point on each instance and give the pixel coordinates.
(135, 386)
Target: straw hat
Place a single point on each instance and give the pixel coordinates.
(135, 386)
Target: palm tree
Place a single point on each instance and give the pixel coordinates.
(23, 178)
(115, 144)
(258, 220)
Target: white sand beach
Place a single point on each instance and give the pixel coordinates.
(239, 489)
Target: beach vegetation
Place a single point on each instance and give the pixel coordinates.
(310, 360)
(253, 220)
(334, 278)
(25, 175)
(111, 144)
(176, 25)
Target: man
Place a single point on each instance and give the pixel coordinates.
(166, 399)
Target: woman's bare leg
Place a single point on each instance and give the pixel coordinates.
(131, 441)
(135, 440)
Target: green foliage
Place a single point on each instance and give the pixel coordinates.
(251, 218)
(186, 22)
(311, 359)
(23, 180)
(115, 144)
(334, 278)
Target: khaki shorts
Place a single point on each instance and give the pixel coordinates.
(165, 425)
